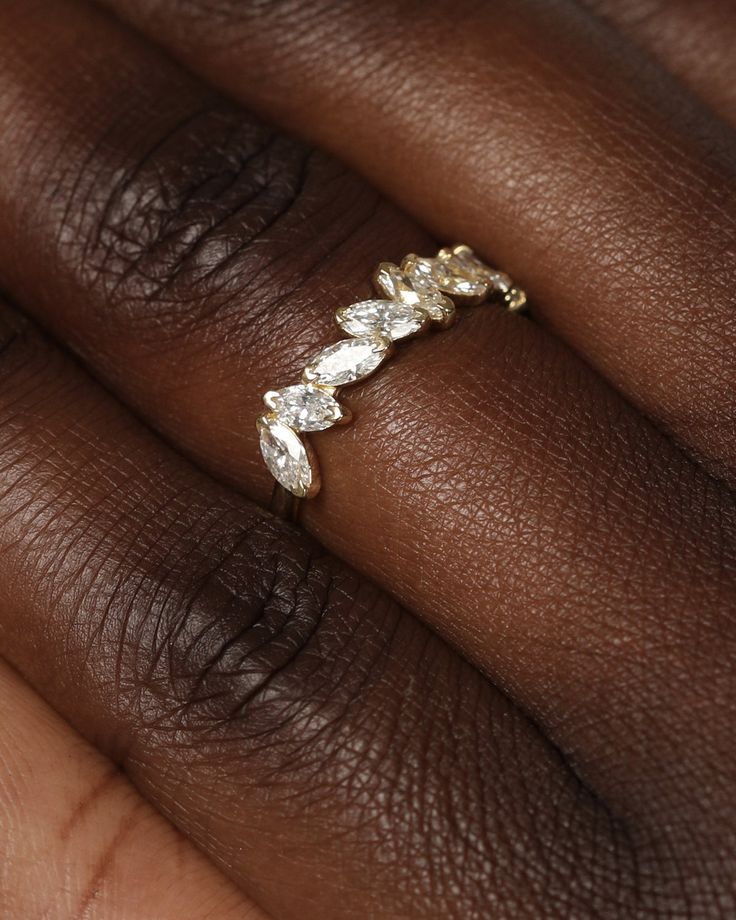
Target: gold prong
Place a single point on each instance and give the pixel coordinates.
(426, 322)
(419, 284)
(316, 483)
(347, 416)
(269, 397)
(456, 250)
(447, 321)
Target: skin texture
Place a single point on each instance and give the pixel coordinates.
(549, 464)
(567, 749)
(78, 840)
(610, 188)
(283, 713)
(693, 38)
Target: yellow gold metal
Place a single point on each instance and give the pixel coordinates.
(419, 293)
(284, 504)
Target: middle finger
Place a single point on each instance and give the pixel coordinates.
(320, 744)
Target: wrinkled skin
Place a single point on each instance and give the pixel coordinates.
(491, 675)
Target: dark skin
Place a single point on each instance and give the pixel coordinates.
(505, 686)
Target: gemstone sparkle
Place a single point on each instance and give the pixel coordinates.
(391, 319)
(449, 275)
(463, 261)
(305, 407)
(347, 361)
(285, 456)
(410, 296)
(416, 290)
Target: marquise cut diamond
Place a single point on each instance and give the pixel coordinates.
(391, 319)
(398, 285)
(347, 361)
(462, 260)
(408, 297)
(286, 456)
(448, 275)
(305, 407)
(416, 290)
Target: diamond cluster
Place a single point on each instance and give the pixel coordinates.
(419, 293)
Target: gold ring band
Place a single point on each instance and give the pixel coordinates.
(420, 293)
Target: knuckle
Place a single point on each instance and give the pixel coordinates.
(249, 649)
(257, 658)
(177, 228)
(221, 225)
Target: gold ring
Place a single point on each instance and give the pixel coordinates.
(420, 293)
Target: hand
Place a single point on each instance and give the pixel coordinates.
(543, 729)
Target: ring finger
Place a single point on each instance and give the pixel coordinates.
(536, 134)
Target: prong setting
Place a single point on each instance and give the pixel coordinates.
(391, 319)
(269, 399)
(305, 407)
(288, 457)
(348, 361)
(419, 293)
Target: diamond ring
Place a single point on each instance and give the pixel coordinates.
(420, 293)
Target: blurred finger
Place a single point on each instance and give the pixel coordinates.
(695, 39)
(328, 751)
(77, 840)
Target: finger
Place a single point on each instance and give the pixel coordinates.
(692, 38)
(327, 750)
(549, 489)
(76, 840)
(535, 134)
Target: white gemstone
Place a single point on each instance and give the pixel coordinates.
(464, 260)
(388, 318)
(448, 275)
(305, 407)
(346, 361)
(500, 281)
(461, 258)
(398, 285)
(285, 455)
(417, 291)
